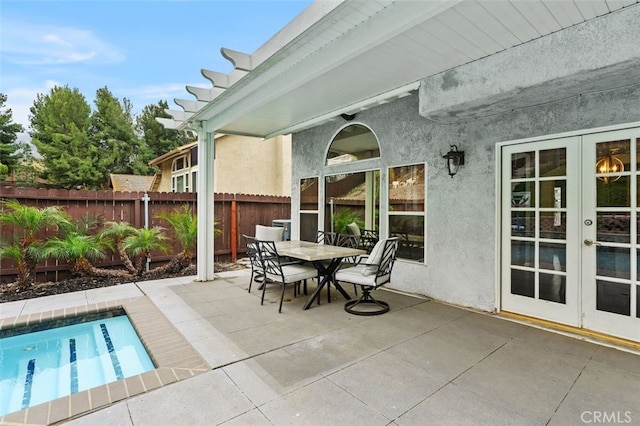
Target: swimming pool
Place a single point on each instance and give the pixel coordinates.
(40, 366)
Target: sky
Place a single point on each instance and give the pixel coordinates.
(144, 50)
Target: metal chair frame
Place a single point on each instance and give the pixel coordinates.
(282, 273)
(382, 277)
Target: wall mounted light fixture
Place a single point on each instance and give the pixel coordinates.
(454, 159)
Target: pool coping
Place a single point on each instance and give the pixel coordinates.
(174, 357)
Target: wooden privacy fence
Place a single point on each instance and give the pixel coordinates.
(235, 214)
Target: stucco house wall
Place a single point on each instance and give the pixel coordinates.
(461, 261)
(244, 165)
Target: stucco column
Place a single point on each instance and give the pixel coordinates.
(206, 150)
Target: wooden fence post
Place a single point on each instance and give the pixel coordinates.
(234, 230)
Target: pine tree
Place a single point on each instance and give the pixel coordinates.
(8, 139)
(157, 138)
(112, 130)
(60, 124)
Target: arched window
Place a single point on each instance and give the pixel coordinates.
(353, 143)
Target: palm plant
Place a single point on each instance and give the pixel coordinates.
(116, 232)
(185, 228)
(142, 242)
(80, 250)
(28, 248)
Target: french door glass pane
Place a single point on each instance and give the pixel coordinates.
(614, 193)
(523, 253)
(523, 283)
(613, 262)
(523, 223)
(523, 194)
(552, 287)
(612, 158)
(553, 193)
(553, 162)
(553, 257)
(523, 165)
(613, 297)
(553, 225)
(614, 227)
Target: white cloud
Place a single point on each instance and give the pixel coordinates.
(20, 100)
(35, 44)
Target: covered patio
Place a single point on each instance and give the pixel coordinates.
(504, 81)
(424, 362)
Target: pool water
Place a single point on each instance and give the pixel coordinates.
(40, 366)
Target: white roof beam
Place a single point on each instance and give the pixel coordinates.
(169, 123)
(241, 61)
(204, 94)
(223, 81)
(179, 115)
(190, 106)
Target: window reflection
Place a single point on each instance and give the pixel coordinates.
(352, 197)
(406, 210)
(308, 208)
(309, 194)
(353, 143)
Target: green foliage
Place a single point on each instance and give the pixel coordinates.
(342, 217)
(156, 137)
(143, 242)
(74, 246)
(8, 137)
(60, 123)
(112, 131)
(27, 248)
(25, 171)
(4, 171)
(184, 225)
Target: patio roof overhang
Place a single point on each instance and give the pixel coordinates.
(346, 56)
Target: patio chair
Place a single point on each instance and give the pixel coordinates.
(324, 237)
(351, 241)
(254, 259)
(278, 272)
(265, 233)
(269, 233)
(368, 237)
(370, 273)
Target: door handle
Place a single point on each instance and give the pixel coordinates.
(590, 243)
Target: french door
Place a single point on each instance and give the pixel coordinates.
(570, 244)
(540, 255)
(611, 242)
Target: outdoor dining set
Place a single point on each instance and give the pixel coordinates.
(330, 260)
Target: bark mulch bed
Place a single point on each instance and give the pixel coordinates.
(87, 283)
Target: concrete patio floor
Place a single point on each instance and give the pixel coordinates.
(422, 363)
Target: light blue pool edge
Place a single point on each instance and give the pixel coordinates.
(174, 357)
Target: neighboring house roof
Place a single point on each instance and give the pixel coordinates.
(345, 56)
(173, 153)
(131, 183)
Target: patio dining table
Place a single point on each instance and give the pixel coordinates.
(319, 254)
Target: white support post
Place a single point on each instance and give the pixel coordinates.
(206, 150)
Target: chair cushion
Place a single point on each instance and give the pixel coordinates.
(355, 275)
(353, 228)
(374, 259)
(269, 233)
(294, 273)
